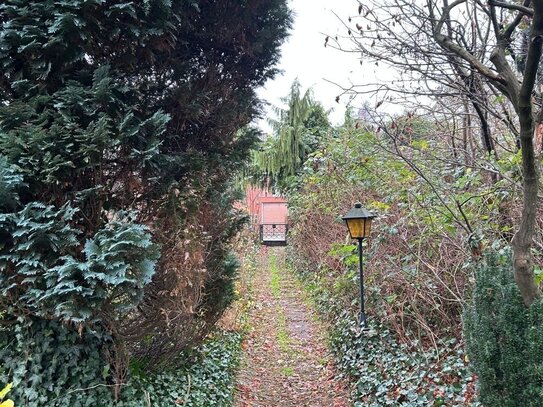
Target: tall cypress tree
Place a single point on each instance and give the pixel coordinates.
(119, 120)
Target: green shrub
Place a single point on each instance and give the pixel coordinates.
(114, 144)
(504, 337)
(54, 302)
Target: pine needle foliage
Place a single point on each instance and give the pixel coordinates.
(296, 133)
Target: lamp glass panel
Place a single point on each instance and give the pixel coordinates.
(367, 227)
(359, 228)
(356, 228)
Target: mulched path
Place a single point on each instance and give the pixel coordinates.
(285, 361)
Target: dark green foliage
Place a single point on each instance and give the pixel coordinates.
(10, 183)
(120, 129)
(42, 278)
(205, 376)
(504, 337)
(383, 371)
(55, 367)
(386, 373)
(49, 365)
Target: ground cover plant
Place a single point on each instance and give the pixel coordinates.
(385, 372)
(205, 376)
(201, 376)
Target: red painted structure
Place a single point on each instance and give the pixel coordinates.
(269, 215)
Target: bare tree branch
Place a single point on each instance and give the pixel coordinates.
(512, 6)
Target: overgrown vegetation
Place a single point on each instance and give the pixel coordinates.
(122, 126)
(473, 70)
(487, 75)
(383, 371)
(204, 377)
(423, 243)
(436, 219)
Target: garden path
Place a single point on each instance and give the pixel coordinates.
(285, 361)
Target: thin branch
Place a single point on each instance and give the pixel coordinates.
(512, 6)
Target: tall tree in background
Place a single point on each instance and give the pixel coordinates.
(296, 133)
(119, 132)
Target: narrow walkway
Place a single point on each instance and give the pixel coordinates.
(285, 361)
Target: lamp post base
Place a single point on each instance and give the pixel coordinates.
(362, 320)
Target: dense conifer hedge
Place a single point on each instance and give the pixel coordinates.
(120, 128)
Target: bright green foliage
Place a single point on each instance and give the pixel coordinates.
(296, 134)
(504, 338)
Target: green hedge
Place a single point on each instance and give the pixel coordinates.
(504, 337)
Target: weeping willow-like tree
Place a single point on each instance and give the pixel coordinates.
(296, 133)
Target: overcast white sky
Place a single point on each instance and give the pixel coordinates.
(305, 57)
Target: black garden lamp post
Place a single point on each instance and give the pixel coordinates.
(358, 222)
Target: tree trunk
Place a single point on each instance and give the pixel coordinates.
(466, 134)
(523, 239)
(538, 136)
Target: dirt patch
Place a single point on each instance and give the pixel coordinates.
(285, 361)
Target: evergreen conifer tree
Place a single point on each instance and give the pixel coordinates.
(119, 121)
